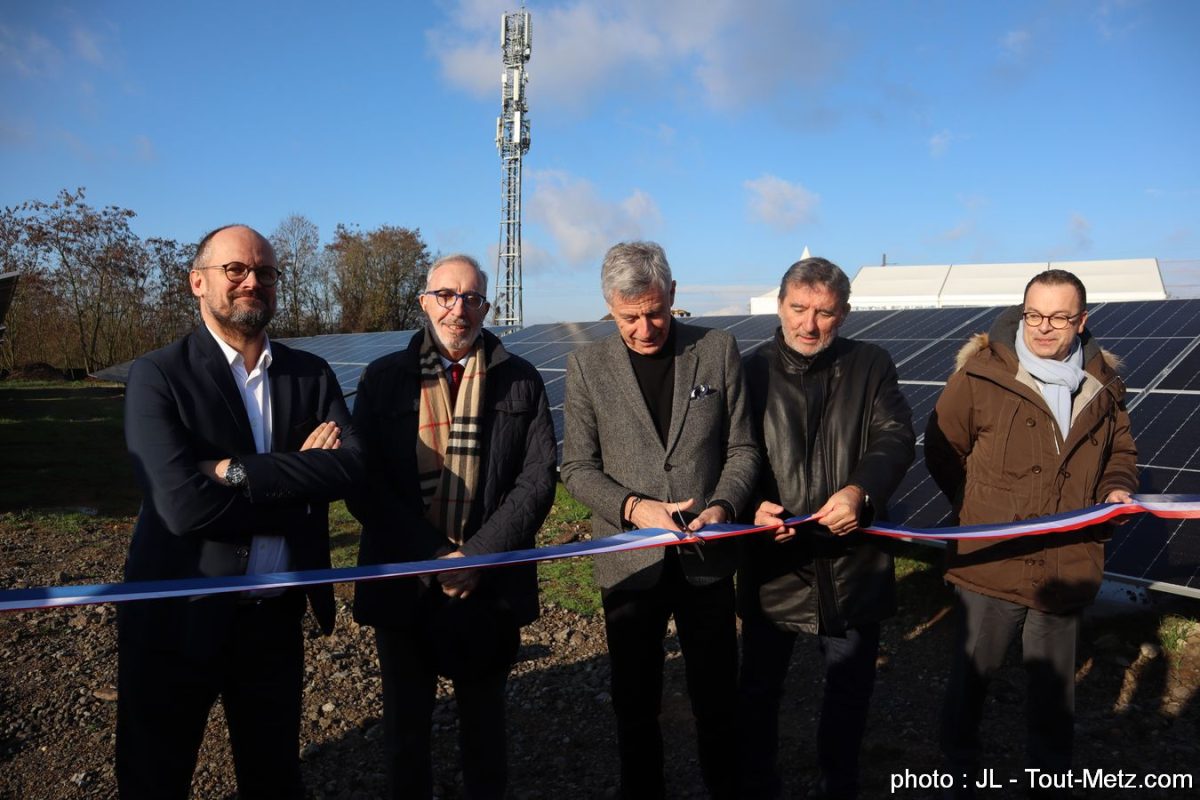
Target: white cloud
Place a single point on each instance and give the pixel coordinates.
(779, 203)
(144, 149)
(939, 143)
(1015, 44)
(87, 46)
(582, 223)
(972, 201)
(28, 53)
(1081, 231)
(1116, 18)
(729, 52)
(17, 132)
(960, 231)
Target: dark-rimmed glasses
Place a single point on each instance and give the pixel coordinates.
(446, 298)
(1057, 321)
(236, 272)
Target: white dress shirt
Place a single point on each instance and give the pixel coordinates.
(267, 553)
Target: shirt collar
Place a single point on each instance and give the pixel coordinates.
(233, 356)
(447, 362)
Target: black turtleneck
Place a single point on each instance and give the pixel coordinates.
(655, 375)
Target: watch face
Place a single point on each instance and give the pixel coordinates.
(235, 474)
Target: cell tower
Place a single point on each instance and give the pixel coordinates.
(512, 140)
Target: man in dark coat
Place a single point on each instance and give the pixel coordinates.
(838, 439)
(238, 444)
(461, 462)
(1031, 423)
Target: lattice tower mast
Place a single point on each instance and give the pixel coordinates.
(512, 140)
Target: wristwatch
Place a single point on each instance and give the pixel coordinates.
(235, 474)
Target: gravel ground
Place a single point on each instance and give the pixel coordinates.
(57, 709)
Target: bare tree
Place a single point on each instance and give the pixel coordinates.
(88, 295)
(297, 246)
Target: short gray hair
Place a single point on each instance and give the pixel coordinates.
(464, 258)
(631, 269)
(817, 272)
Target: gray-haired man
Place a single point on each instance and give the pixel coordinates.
(658, 436)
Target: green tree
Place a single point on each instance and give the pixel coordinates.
(377, 276)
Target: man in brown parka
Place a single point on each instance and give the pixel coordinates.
(1032, 422)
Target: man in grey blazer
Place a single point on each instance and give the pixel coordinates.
(658, 435)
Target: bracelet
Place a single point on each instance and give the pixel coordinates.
(632, 507)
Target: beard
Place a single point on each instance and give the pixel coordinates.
(456, 339)
(248, 320)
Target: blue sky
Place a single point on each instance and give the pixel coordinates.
(734, 132)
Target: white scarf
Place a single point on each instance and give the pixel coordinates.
(1058, 380)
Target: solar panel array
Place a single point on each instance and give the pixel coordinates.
(1159, 342)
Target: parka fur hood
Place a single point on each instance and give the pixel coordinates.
(996, 451)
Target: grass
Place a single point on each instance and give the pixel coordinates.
(568, 582)
(1173, 632)
(63, 448)
(343, 535)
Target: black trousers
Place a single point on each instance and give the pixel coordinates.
(636, 623)
(849, 682)
(984, 628)
(409, 671)
(255, 664)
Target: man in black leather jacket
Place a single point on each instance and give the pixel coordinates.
(838, 439)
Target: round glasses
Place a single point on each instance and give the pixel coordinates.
(1057, 321)
(446, 298)
(236, 272)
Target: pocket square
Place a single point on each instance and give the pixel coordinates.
(701, 391)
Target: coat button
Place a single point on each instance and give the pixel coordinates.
(1092, 439)
(1036, 470)
(1029, 423)
(243, 552)
(1029, 562)
(667, 467)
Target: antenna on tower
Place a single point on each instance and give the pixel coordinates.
(512, 140)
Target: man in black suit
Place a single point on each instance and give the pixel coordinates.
(238, 444)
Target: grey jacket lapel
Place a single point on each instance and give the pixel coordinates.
(686, 365)
(626, 384)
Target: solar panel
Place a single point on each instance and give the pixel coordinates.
(1146, 318)
(1149, 336)
(1164, 427)
(1143, 359)
(1185, 375)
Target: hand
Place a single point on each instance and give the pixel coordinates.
(710, 516)
(214, 470)
(769, 513)
(649, 513)
(840, 512)
(459, 583)
(1119, 496)
(326, 436)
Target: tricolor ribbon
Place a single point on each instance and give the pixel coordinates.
(1169, 506)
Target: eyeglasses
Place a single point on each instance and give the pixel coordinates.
(1057, 321)
(446, 298)
(236, 272)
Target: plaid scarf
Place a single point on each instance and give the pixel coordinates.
(449, 441)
